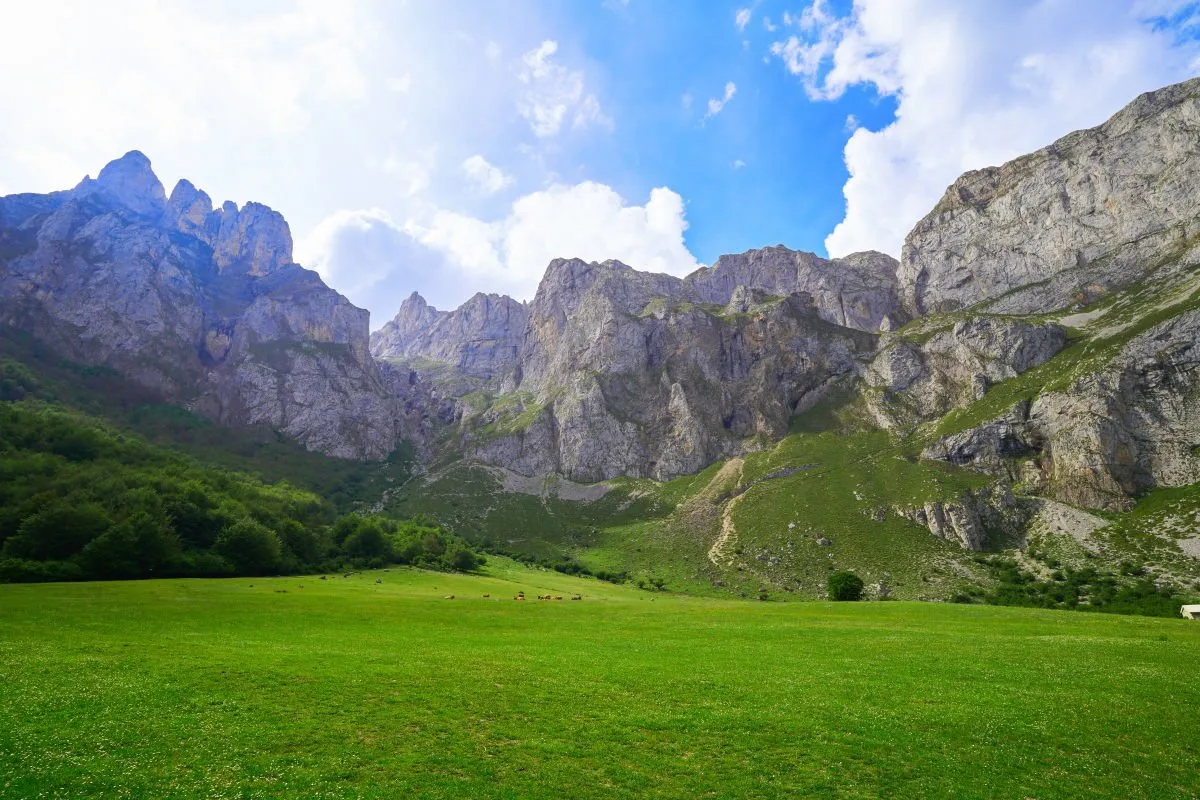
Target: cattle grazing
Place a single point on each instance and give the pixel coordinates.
(576, 597)
(486, 596)
(557, 597)
(378, 580)
(448, 597)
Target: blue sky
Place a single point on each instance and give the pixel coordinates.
(454, 146)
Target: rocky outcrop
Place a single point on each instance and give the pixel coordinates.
(481, 338)
(1096, 210)
(1130, 423)
(205, 306)
(978, 520)
(858, 291)
(627, 373)
(910, 382)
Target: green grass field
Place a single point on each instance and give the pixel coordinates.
(297, 687)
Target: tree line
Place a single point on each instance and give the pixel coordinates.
(81, 500)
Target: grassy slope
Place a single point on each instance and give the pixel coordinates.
(259, 450)
(665, 530)
(347, 688)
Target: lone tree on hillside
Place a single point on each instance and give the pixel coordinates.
(845, 585)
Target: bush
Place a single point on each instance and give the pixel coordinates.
(252, 547)
(58, 531)
(141, 545)
(16, 570)
(368, 541)
(845, 585)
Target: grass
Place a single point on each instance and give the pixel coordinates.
(297, 687)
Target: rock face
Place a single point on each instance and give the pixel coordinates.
(916, 383)
(859, 291)
(975, 520)
(481, 338)
(625, 373)
(203, 305)
(1131, 424)
(1096, 210)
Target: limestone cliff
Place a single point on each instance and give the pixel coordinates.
(1095, 211)
(481, 338)
(203, 305)
(624, 373)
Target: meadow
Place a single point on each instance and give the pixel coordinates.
(345, 687)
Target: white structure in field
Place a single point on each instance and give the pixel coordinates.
(1190, 612)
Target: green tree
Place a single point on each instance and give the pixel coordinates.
(140, 546)
(463, 560)
(57, 532)
(250, 546)
(845, 585)
(368, 541)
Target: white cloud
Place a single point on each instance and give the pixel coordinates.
(742, 18)
(770, 26)
(555, 94)
(975, 84)
(486, 178)
(715, 105)
(447, 256)
(738, 164)
(413, 175)
(161, 75)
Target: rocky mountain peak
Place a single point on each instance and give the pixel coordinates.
(130, 181)
(255, 239)
(1090, 213)
(858, 291)
(188, 209)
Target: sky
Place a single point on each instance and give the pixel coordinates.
(456, 146)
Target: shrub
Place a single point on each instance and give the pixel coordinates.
(58, 531)
(845, 585)
(138, 546)
(252, 547)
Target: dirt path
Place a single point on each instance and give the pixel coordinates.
(719, 554)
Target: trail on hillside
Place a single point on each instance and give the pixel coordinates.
(718, 554)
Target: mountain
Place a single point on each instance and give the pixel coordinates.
(203, 305)
(1093, 212)
(1024, 381)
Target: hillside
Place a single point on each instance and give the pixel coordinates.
(1010, 413)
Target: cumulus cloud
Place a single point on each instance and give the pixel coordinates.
(200, 75)
(371, 260)
(975, 83)
(716, 105)
(413, 175)
(555, 95)
(486, 178)
(742, 18)
(447, 256)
